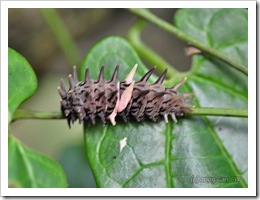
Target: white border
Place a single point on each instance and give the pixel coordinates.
(127, 4)
(251, 191)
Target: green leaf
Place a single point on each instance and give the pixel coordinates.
(22, 81)
(26, 168)
(218, 85)
(196, 151)
(29, 169)
(224, 29)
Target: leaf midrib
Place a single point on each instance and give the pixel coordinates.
(167, 160)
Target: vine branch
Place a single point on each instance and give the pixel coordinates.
(150, 17)
(30, 114)
(220, 112)
(134, 36)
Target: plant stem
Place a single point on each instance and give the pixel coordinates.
(134, 36)
(147, 15)
(30, 114)
(220, 112)
(61, 34)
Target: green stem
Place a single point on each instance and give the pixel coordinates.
(134, 36)
(61, 34)
(220, 112)
(30, 114)
(147, 15)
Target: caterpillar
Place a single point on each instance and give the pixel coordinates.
(103, 100)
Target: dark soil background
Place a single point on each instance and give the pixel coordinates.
(29, 34)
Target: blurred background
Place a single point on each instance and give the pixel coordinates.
(30, 34)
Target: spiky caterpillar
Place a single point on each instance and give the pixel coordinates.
(89, 100)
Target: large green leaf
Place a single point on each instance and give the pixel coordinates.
(215, 83)
(224, 29)
(26, 168)
(22, 81)
(195, 152)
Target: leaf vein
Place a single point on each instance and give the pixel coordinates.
(225, 152)
(27, 165)
(167, 159)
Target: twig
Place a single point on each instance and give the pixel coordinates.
(220, 112)
(147, 15)
(30, 114)
(147, 53)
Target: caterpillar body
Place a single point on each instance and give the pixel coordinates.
(102, 100)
